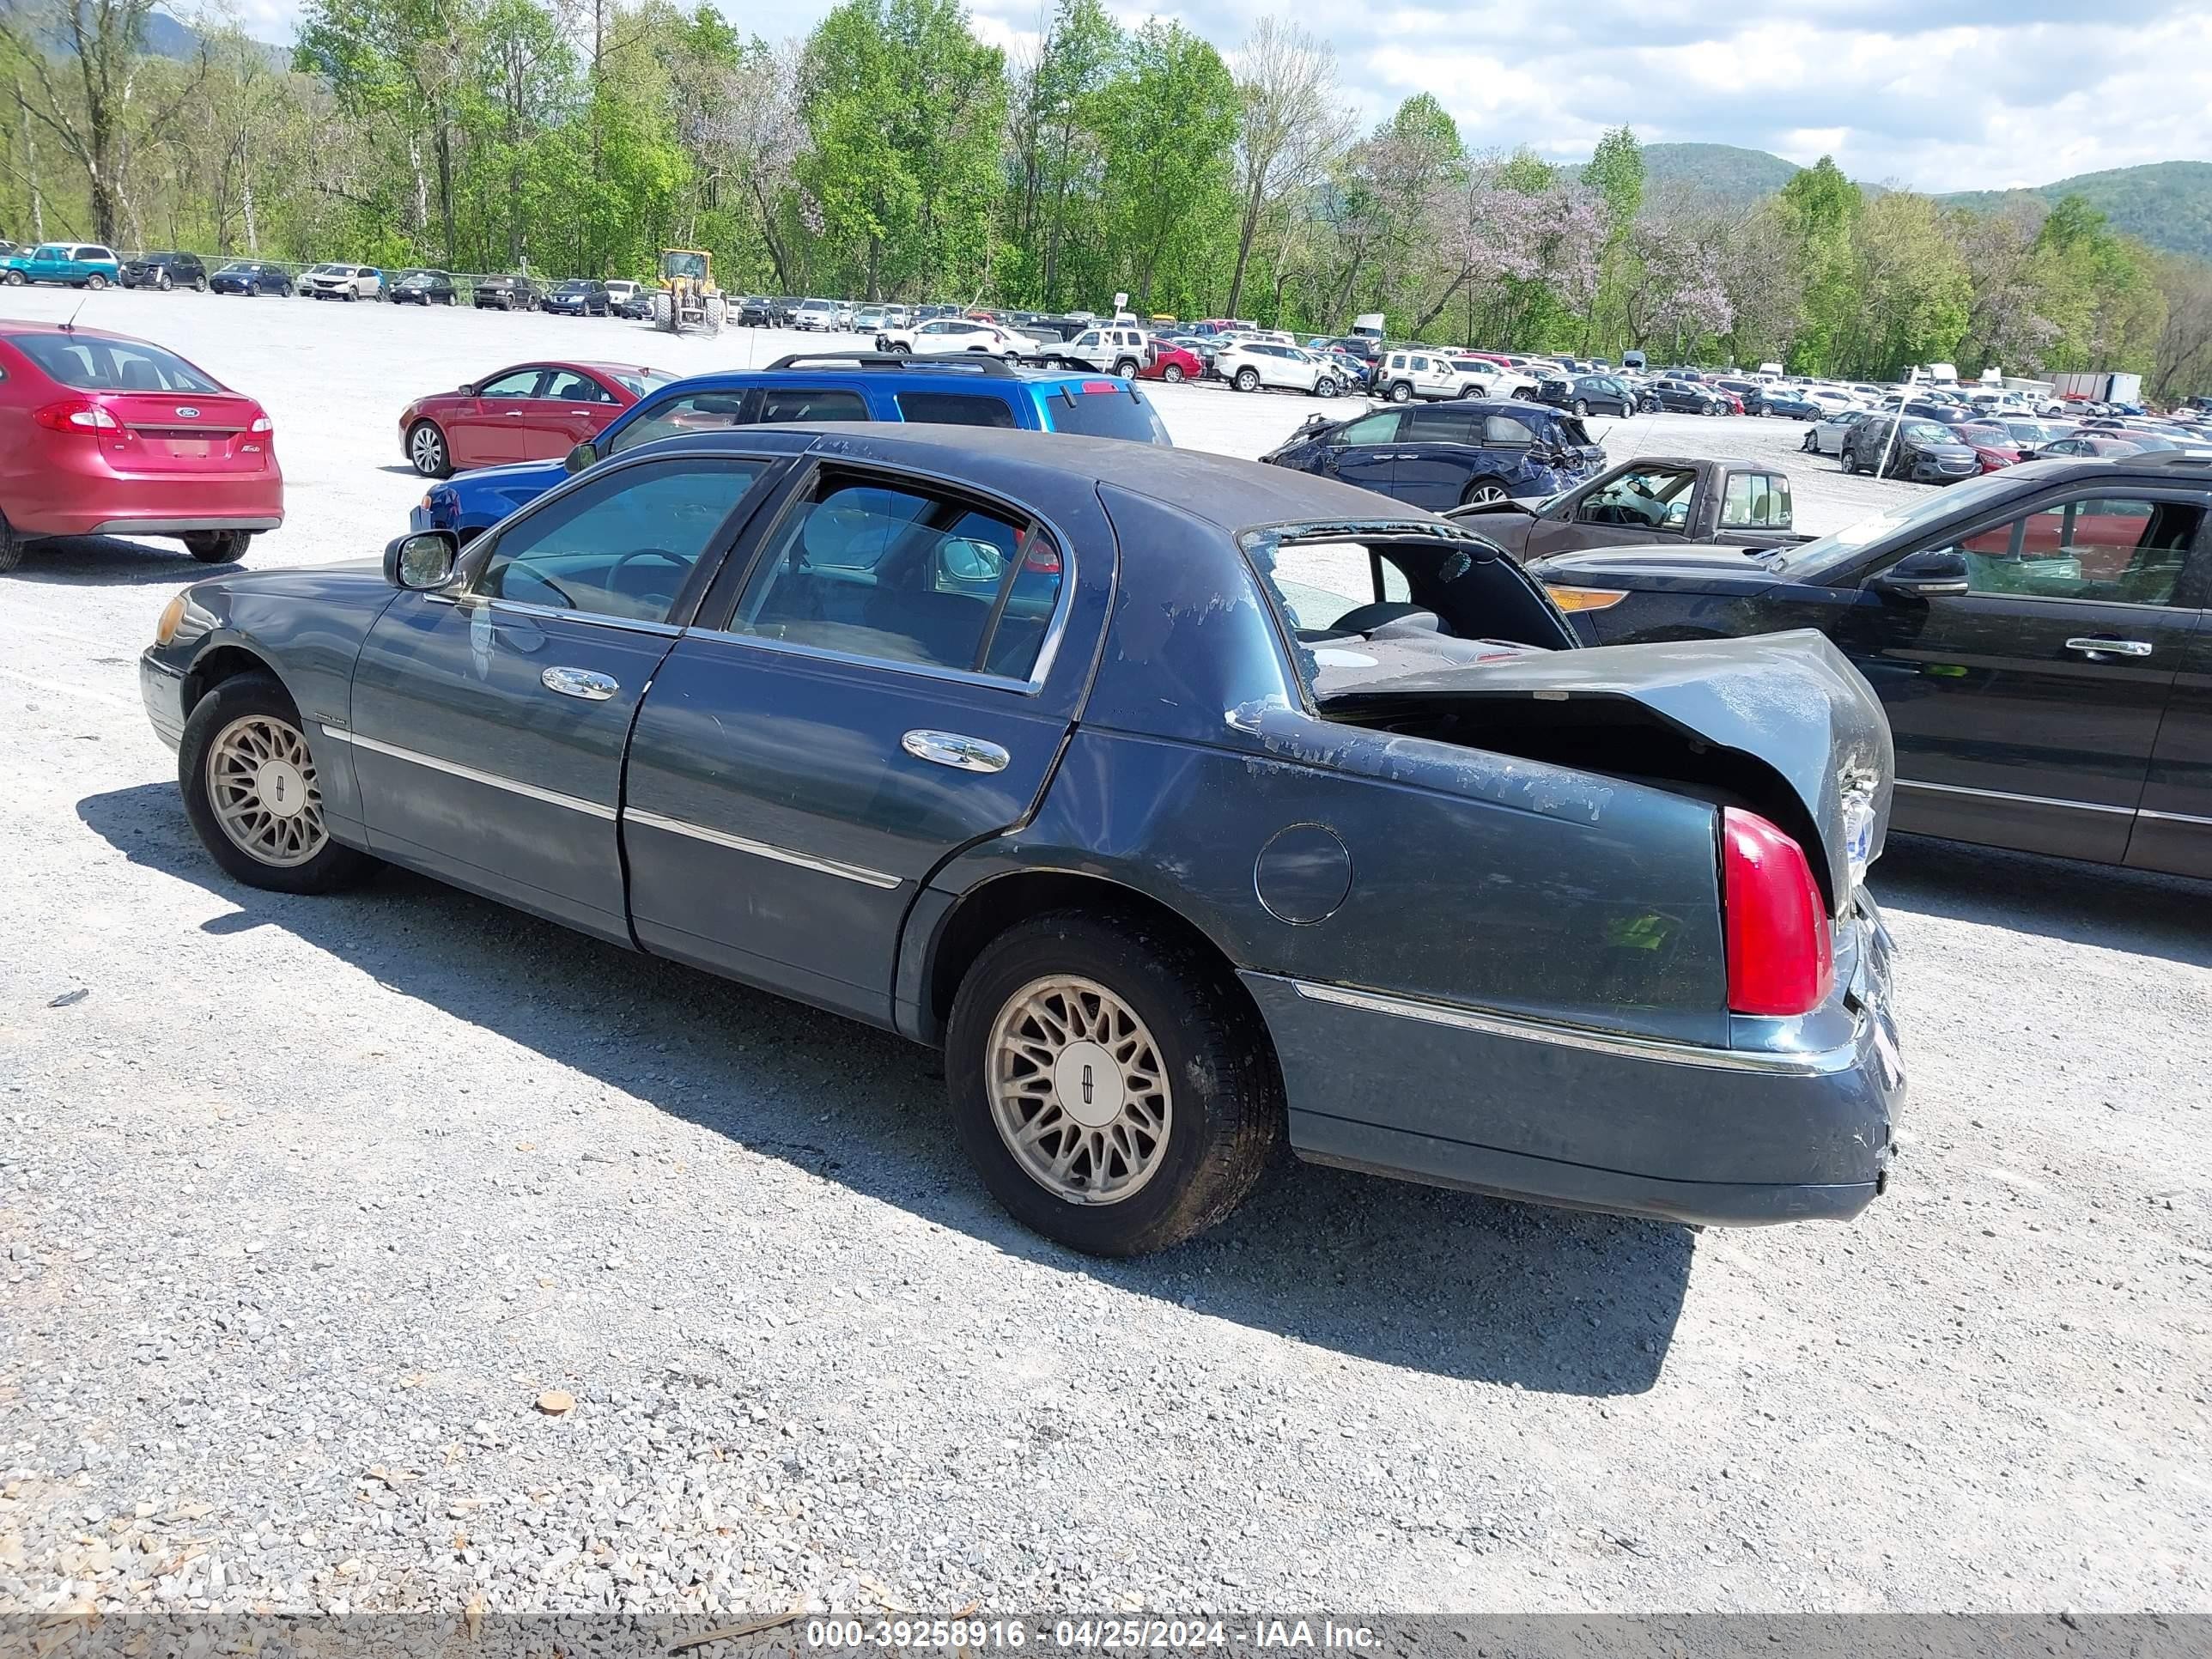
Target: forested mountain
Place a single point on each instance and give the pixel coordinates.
(2167, 204)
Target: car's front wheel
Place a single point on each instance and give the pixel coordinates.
(1325, 387)
(426, 453)
(17, 279)
(1111, 1086)
(1247, 379)
(254, 795)
(217, 546)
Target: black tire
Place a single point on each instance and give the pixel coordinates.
(17, 279)
(1326, 387)
(428, 452)
(1126, 368)
(95, 281)
(1247, 378)
(1173, 372)
(900, 349)
(1850, 460)
(1226, 1116)
(11, 547)
(218, 546)
(243, 695)
(1806, 446)
(1484, 489)
(163, 282)
(1401, 391)
(199, 285)
(1581, 406)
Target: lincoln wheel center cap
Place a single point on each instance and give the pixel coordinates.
(1088, 1081)
(281, 789)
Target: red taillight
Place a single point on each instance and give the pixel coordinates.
(1781, 957)
(76, 415)
(1044, 561)
(260, 424)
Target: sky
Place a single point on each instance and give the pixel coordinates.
(1925, 94)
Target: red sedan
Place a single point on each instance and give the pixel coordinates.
(1993, 447)
(1165, 361)
(531, 412)
(101, 435)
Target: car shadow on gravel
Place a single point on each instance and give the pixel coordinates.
(2137, 911)
(1443, 1282)
(109, 561)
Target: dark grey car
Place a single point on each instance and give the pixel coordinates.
(1189, 805)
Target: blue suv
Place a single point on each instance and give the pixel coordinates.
(955, 391)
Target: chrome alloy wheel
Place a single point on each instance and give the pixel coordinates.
(1077, 1090)
(261, 783)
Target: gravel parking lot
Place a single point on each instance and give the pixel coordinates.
(308, 1203)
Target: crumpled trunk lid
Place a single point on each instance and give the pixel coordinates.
(1782, 721)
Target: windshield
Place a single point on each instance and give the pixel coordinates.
(1904, 518)
(89, 364)
(574, 287)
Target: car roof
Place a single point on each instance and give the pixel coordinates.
(1229, 494)
(923, 373)
(16, 331)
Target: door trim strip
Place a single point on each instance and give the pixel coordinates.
(454, 768)
(2173, 817)
(762, 849)
(2025, 800)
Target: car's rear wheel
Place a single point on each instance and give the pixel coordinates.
(1112, 1088)
(95, 281)
(1126, 368)
(427, 452)
(11, 546)
(1247, 379)
(199, 285)
(217, 546)
(1402, 393)
(1172, 372)
(1482, 493)
(252, 793)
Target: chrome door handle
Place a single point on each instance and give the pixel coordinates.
(950, 748)
(2093, 646)
(579, 683)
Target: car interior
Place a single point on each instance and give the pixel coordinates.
(2127, 552)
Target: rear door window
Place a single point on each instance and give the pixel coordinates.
(781, 403)
(956, 409)
(1756, 501)
(1504, 432)
(1441, 423)
(899, 572)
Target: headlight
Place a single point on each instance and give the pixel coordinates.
(1584, 598)
(172, 614)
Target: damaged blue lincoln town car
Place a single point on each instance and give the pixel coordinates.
(1189, 805)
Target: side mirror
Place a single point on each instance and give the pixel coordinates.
(422, 561)
(580, 457)
(468, 388)
(1935, 575)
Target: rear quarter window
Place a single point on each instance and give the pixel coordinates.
(956, 409)
(1104, 409)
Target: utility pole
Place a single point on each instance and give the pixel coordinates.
(31, 166)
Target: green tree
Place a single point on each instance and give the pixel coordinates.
(1170, 123)
(1820, 205)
